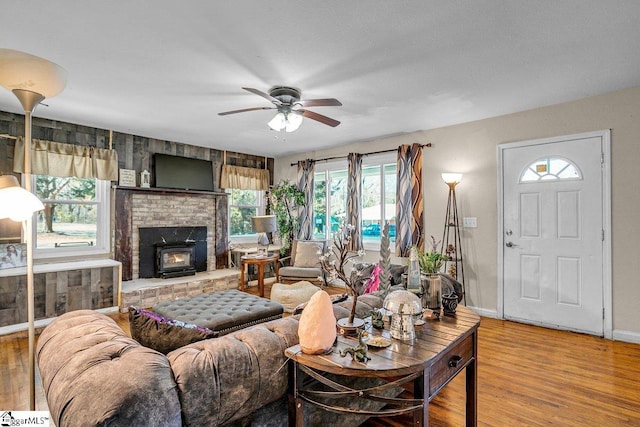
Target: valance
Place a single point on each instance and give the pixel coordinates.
(64, 160)
(243, 178)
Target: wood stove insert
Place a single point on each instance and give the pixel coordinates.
(175, 259)
(152, 238)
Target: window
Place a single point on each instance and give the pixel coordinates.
(550, 169)
(378, 198)
(329, 199)
(75, 219)
(379, 179)
(243, 204)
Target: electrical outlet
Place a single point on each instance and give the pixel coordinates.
(470, 222)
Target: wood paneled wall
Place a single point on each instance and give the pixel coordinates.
(134, 152)
(58, 292)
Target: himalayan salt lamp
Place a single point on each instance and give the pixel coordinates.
(317, 327)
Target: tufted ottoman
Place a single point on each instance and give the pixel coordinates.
(222, 312)
(291, 296)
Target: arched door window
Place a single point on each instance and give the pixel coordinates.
(550, 169)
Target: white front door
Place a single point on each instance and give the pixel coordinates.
(553, 233)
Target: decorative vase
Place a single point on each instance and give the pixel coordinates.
(432, 292)
(413, 272)
(449, 304)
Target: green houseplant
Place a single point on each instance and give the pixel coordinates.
(431, 263)
(284, 201)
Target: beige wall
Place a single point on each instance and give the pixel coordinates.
(471, 148)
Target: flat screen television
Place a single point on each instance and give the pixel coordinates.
(182, 173)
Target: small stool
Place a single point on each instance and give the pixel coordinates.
(290, 296)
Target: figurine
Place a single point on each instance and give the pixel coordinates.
(358, 353)
(376, 319)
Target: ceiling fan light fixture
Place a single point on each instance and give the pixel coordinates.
(293, 121)
(289, 122)
(278, 122)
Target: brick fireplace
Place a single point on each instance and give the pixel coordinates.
(150, 207)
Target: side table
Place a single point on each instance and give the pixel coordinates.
(441, 350)
(260, 261)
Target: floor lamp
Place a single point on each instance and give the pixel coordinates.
(451, 241)
(31, 79)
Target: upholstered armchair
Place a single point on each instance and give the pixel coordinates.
(304, 262)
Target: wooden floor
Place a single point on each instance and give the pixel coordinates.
(527, 376)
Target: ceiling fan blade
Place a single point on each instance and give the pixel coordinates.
(264, 95)
(328, 102)
(320, 118)
(245, 110)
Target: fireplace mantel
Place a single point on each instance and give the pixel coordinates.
(156, 190)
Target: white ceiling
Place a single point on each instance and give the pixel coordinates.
(165, 68)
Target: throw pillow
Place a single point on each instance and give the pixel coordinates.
(308, 254)
(334, 300)
(162, 333)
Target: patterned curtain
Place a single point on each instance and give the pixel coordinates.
(354, 199)
(409, 206)
(305, 184)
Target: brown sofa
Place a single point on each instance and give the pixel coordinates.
(95, 375)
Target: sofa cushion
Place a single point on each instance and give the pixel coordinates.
(228, 378)
(300, 272)
(307, 254)
(93, 374)
(164, 334)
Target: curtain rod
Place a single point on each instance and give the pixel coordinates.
(428, 145)
(4, 135)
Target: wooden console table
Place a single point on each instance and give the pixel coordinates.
(441, 350)
(260, 261)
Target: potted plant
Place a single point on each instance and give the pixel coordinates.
(430, 263)
(284, 201)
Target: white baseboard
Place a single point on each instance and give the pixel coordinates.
(485, 312)
(627, 336)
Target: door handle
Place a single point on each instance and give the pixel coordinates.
(510, 244)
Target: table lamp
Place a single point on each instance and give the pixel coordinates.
(263, 224)
(404, 306)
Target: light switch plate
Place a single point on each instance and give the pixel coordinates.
(470, 222)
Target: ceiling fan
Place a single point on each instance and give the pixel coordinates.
(291, 109)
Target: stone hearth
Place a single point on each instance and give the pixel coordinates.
(145, 293)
